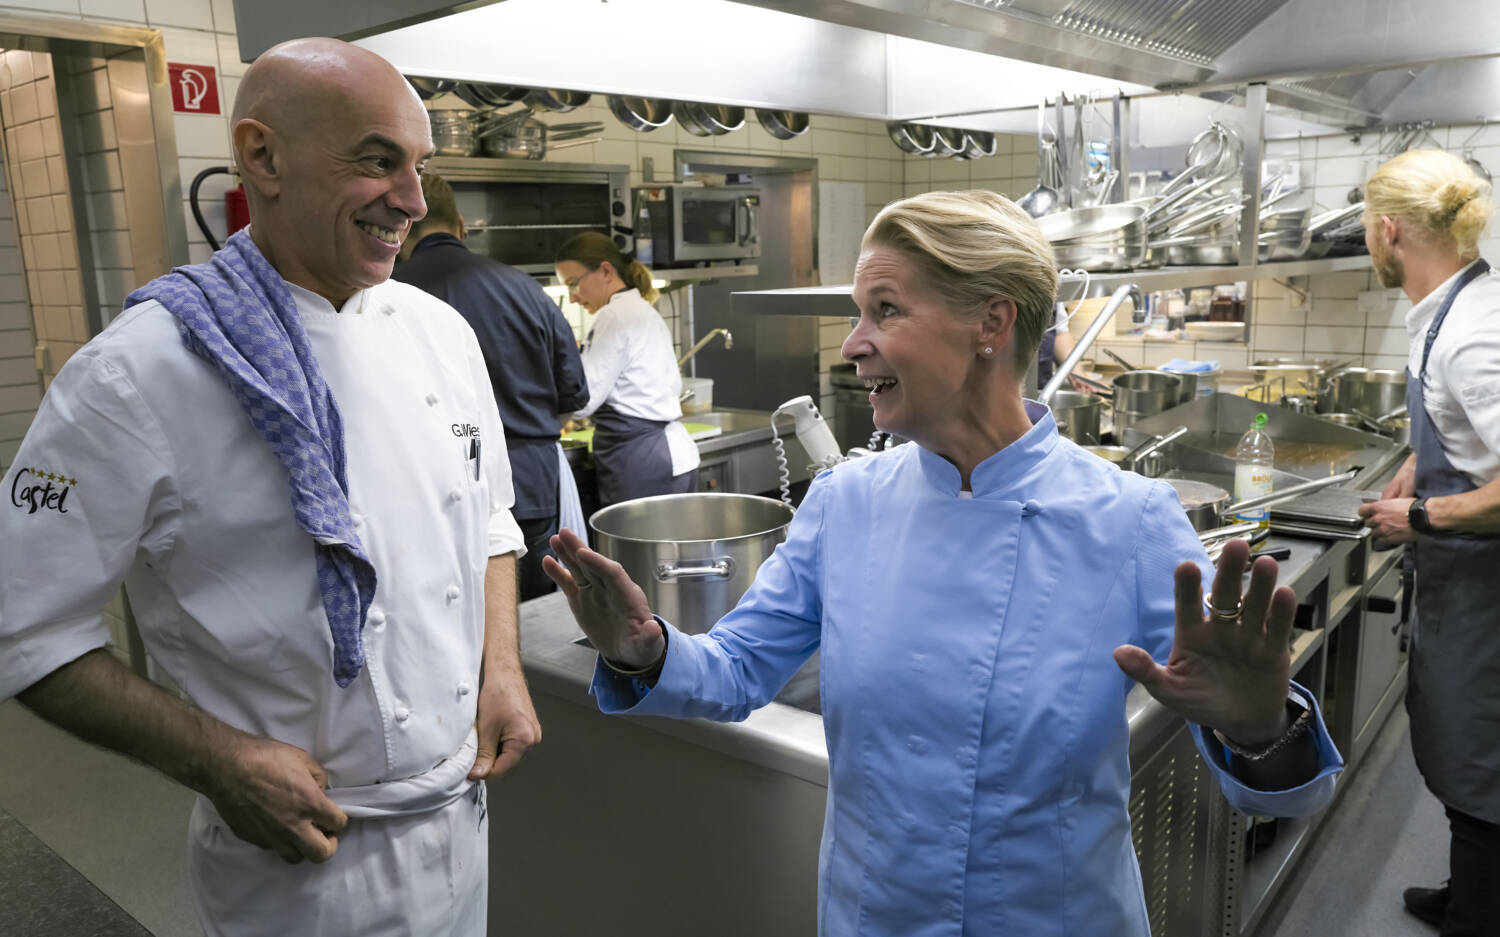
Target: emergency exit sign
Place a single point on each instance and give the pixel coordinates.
(195, 88)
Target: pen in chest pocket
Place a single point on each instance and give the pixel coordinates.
(474, 453)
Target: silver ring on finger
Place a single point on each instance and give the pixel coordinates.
(582, 583)
(1226, 614)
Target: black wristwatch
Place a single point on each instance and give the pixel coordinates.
(1416, 516)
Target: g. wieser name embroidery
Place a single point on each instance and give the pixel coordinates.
(38, 489)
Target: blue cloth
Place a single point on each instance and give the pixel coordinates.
(1184, 366)
(236, 313)
(529, 351)
(979, 771)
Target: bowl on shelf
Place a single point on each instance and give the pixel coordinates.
(1215, 331)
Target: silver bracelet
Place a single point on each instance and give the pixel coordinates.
(649, 668)
(1298, 727)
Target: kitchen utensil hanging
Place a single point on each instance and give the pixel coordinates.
(1468, 152)
(916, 139)
(640, 114)
(428, 88)
(979, 144)
(947, 141)
(783, 125)
(556, 99)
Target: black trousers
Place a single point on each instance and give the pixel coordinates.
(536, 532)
(1474, 867)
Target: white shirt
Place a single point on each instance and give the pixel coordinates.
(630, 365)
(1462, 393)
(170, 488)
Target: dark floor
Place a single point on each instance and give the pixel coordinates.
(123, 828)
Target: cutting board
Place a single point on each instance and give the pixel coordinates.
(696, 432)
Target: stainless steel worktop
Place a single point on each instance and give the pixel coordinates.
(777, 736)
(784, 738)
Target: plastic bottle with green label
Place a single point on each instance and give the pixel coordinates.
(1254, 459)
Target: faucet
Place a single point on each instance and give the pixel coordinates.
(728, 344)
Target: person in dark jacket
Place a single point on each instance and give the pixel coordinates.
(528, 348)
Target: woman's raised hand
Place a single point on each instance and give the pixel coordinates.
(1228, 669)
(609, 608)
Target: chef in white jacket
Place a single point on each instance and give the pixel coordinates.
(298, 471)
(640, 448)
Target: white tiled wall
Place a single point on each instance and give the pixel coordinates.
(20, 391)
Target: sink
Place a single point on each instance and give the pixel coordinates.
(733, 421)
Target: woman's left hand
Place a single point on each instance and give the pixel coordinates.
(1229, 669)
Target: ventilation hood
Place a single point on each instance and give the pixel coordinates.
(1344, 63)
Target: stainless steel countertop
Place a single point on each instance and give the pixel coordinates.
(775, 736)
(783, 738)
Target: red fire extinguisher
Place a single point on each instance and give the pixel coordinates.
(236, 207)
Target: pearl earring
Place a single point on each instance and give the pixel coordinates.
(988, 351)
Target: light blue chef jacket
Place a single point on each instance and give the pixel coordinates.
(979, 770)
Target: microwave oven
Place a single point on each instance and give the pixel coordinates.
(522, 212)
(695, 224)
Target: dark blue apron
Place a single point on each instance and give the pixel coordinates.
(1453, 692)
(632, 458)
(1046, 358)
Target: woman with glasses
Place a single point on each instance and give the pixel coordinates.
(640, 449)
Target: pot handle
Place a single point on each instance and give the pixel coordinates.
(722, 568)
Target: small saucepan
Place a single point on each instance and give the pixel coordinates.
(1209, 506)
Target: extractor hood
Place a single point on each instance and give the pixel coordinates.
(1343, 62)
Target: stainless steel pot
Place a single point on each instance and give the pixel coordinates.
(978, 144)
(640, 114)
(556, 99)
(783, 125)
(1367, 391)
(1399, 429)
(1139, 394)
(693, 555)
(1077, 415)
(453, 132)
(916, 139)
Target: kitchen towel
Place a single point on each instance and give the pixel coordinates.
(236, 313)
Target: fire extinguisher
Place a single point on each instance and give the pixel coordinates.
(236, 208)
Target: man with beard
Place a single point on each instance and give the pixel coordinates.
(1424, 213)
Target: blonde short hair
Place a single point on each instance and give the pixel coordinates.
(1436, 191)
(972, 247)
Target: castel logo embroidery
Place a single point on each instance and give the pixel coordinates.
(35, 489)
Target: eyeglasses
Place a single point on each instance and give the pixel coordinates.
(572, 284)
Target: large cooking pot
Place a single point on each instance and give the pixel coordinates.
(693, 555)
(1077, 415)
(1366, 390)
(1139, 394)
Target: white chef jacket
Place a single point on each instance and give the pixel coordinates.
(630, 365)
(1462, 394)
(170, 488)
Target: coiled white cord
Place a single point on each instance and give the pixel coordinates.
(783, 472)
(1083, 293)
(878, 441)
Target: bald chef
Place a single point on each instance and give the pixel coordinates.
(297, 469)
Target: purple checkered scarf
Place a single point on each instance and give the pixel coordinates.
(236, 313)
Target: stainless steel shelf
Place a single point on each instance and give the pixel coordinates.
(698, 274)
(835, 301)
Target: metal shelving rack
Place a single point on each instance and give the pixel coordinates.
(835, 301)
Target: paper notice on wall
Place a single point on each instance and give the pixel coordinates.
(841, 223)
